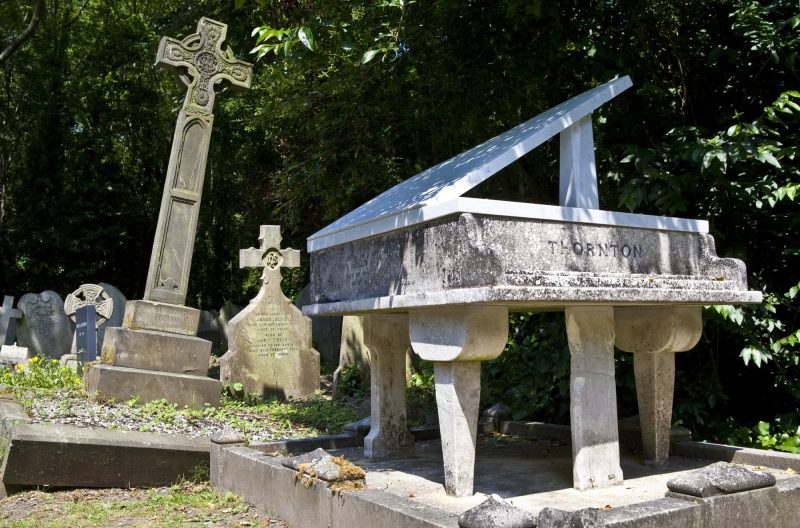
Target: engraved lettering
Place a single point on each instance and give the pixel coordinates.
(588, 249)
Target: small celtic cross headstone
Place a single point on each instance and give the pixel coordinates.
(90, 294)
(201, 64)
(270, 349)
(269, 256)
(8, 316)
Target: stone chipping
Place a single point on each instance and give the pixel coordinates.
(68, 409)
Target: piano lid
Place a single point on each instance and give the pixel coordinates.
(435, 192)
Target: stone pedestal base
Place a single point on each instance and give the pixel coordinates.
(150, 350)
(106, 382)
(155, 356)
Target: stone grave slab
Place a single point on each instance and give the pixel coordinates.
(44, 328)
(458, 265)
(67, 456)
(8, 321)
(270, 351)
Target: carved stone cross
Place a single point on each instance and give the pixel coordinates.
(269, 256)
(201, 64)
(7, 312)
(93, 294)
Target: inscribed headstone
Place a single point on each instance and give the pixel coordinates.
(44, 327)
(8, 321)
(270, 340)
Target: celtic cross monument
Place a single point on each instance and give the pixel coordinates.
(201, 64)
(156, 354)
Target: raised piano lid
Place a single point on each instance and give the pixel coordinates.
(437, 191)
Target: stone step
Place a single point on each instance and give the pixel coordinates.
(69, 456)
(106, 382)
(152, 350)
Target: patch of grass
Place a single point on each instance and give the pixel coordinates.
(182, 505)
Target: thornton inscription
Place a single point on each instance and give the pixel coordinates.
(596, 249)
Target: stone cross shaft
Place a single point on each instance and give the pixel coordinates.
(200, 63)
(269, 255)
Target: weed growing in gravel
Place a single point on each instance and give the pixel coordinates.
(41, 373)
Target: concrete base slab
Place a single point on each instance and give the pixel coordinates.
(531, 474)
(106, 382)
(68, 456)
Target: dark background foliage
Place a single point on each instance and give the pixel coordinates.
(705, 133)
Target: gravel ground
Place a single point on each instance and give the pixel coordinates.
(73, 408)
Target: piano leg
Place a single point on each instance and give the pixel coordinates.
(655, 383)
(457, 339)
(653, 334)
(458, 395)
(386, 336)
(593, 397)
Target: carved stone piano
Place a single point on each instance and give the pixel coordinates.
(441, 272)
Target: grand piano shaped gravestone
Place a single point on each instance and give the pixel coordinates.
(451, 268)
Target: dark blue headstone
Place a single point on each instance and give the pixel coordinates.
(85, 334)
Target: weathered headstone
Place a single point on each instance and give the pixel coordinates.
(8, 321)
(226, 314)
(209, 330)
(44, 328)
(326, 332)
(85, 335)
(270, 340)
(117, 313)
(156, 354)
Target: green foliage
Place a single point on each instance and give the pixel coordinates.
(532, 374)
(352, 382)
(40, 373)
(421, 396)
(781, 435)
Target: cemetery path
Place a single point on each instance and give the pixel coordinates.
(182, 505)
